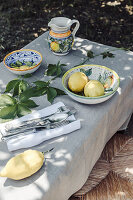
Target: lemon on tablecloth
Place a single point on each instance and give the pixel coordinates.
(23, 165)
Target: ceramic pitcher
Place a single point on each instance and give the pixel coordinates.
(60, 37)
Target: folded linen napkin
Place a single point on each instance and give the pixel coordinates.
(35, 114)
(34, 138)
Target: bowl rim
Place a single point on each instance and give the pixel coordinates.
(19, 51)
(88, 98)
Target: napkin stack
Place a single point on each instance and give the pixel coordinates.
(34, 138)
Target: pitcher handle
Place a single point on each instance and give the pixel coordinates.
(76, 27)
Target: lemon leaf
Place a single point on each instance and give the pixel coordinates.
(16, 89)
(20, 87)
(32, 92)
(22, 110)
(90, 54)
(41, 84)
(59, 92)
(23, 86)
(54, 70)
(8, 112)
(29, 103)
(51, 70)
(6, 100)
(11, 85)
(27, 75)
(107, 54)
(51, 94)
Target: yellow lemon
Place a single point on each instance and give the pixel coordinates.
(55, 46)
(77, 81)
(93, 89)
(23, 165)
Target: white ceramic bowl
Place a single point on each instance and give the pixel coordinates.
(24, 55)
(97, 72)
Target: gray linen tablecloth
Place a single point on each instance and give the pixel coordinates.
(75, 154)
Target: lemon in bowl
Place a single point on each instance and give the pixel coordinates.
(93, 89)
(77, 81)
(96, 90)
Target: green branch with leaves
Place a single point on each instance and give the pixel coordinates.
(104, 54)
(17, 102)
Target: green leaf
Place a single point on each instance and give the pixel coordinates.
(59, 92)
(32, 92)
(107, 54)
(90, 54)
(11, 85)
(22, 110)
(58, 64)
(39, 91)
(63, 65)
(4, 120)
(19, 76)
(8, 112)
(20, 87)
(54, 70)
(6, 100)
(23, 85)
(16, 89)
(29, 103)
(41, 84)
(58, 71)
(51, 94)
(51, 70)
(27, 75)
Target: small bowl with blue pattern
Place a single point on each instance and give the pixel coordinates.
(106, 76)
(24, 61)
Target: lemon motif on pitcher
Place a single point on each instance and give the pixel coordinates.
(55, 46)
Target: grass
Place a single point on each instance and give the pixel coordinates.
(107, 22)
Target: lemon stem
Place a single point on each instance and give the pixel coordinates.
(47, 151)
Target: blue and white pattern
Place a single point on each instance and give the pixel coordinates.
(23, 56)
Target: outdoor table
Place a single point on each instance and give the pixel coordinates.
(75, 154)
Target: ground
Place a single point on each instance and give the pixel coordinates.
(103, 21)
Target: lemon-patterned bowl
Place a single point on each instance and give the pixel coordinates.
(106, 76)
(25, 57)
